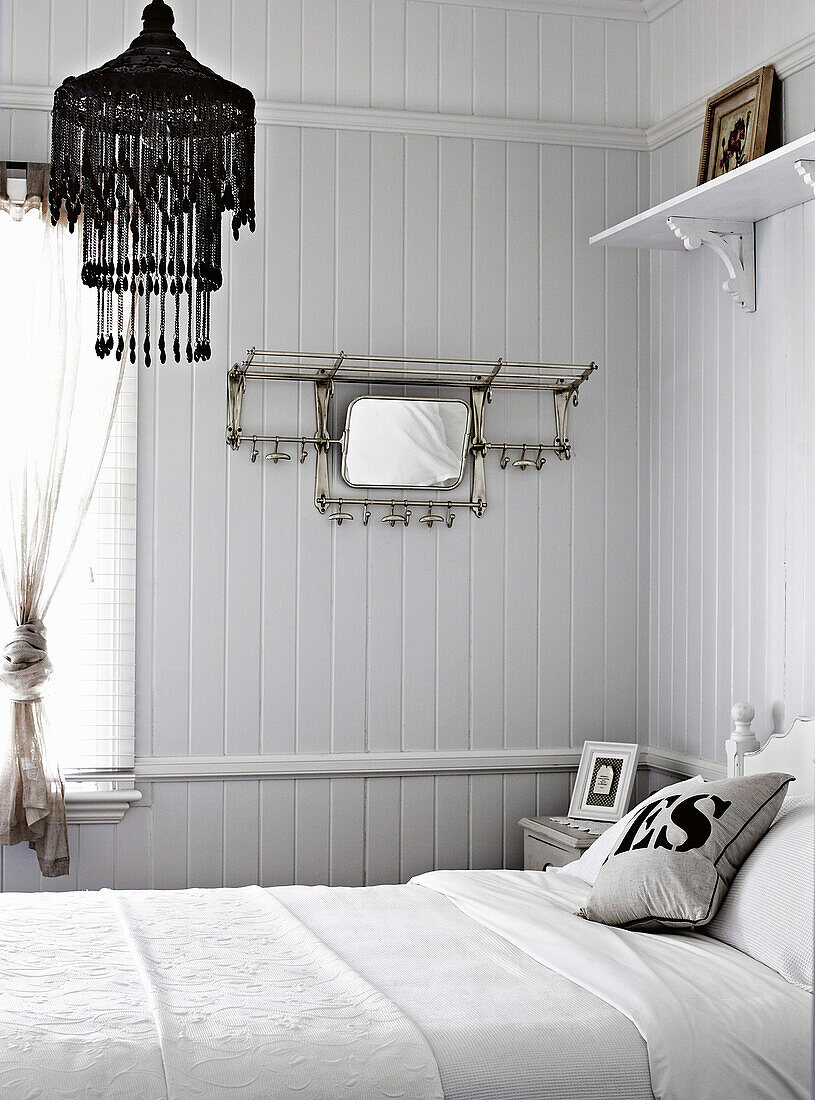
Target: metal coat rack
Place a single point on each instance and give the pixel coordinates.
(325, 370)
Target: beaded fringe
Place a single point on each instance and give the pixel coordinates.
(152, 175)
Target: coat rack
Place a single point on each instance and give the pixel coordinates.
(325, 370)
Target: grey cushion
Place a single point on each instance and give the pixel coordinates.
(673, 865)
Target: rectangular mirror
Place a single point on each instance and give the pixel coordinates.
(405, 442)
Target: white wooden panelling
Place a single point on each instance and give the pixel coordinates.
(699, 46)
(419, 55)
(732, 494)
(262, 628)
(340, 832)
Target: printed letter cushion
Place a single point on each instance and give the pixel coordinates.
(674, 863)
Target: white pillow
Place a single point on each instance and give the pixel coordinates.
(588, 866)
(769, 910)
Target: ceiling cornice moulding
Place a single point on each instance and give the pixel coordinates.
(630, 10)
(653, 9)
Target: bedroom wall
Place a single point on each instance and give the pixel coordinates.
(732, 401)
(451, 218)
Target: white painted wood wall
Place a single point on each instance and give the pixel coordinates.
(732, 404)
(261, 627)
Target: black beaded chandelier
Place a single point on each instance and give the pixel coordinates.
(152, 148)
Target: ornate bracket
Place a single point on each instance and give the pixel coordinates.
(563, 398)
(478, 448)
(322, 487)
(235, 389)
(734, 244)
(806, 170)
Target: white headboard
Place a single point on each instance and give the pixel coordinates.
(793, 751)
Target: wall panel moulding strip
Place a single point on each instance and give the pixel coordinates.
(800, 55)
(352, 764)
(153, 769)
(678, 763)
(376, 120)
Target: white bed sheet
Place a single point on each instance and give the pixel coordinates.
(501, 1025)
(717, 1024)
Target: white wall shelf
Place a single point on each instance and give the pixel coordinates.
(722, 213)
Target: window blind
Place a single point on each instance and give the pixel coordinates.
(91, 623)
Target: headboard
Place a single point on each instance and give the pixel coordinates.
(793, 751)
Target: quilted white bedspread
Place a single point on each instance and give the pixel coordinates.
(197, 993)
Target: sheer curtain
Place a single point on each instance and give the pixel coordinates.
(57, 403)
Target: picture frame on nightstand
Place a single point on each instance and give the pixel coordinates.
(605, 779)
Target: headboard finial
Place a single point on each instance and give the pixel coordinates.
(743, 739)
(743, 715)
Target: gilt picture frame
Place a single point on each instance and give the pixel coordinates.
(737, 124)
(605, 779)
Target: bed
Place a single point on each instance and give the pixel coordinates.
(479, 985)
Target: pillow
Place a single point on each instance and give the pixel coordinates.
(673, 864)
(767, 913)
(587, 867)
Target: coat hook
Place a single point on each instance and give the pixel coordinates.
(340, 516)
(303, 452)
(431, 517)
(523, 461)
(539, 461)
(504, 459)
(277, 455)
(366, 514)
(255, 452)
(408, 514)
(450, 515)
(393, 517)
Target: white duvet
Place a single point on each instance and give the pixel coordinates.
(381, 992)
(717, 1024)
(196, 993)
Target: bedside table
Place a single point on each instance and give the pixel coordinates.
(548, 843)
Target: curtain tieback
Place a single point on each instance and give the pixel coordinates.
(24, 663)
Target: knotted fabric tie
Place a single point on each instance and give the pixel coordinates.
(24, 663)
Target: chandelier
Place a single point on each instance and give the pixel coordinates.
(152, 148)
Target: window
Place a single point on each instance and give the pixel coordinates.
(91, 621)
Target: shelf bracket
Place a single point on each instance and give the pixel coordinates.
(806, 170)
(734, 244)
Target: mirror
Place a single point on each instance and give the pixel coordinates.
(405, 442)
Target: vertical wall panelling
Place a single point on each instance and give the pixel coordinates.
(422, 56)
(453, 605)
(489, 336)
(588, 513)
(422, 288)
(524, 522)
(620, 474)
(730, 496)
(261, 627)
(388, 60)
(283, 494)
(554, 487)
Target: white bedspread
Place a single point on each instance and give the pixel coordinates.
(196, 993)
(717, 1023)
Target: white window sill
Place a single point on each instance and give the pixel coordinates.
(96, 807)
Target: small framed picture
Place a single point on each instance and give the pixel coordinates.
(605, 777)
(737, 122)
